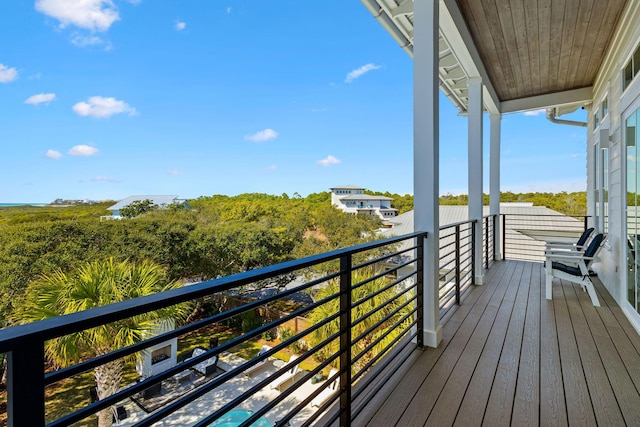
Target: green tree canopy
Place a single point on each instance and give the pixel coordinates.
(92, 285)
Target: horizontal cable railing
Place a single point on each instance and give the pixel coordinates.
(488, 240)
(524, 237)
(456, 267)
(367, 304)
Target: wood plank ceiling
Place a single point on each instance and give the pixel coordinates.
(535, 47)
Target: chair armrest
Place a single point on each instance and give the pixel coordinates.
(575, 258)
(565, 251)
(559, 244)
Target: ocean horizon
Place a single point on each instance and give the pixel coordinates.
(7, 205)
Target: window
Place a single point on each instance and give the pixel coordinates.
(604, 107)
(601, 195)
(632, 69)
(631, 136)
(596, 119)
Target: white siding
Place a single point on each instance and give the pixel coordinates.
(612, 270)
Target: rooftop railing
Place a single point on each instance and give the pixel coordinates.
(359, 330)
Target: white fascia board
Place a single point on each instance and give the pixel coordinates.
(567, 97)
(388, 24)
(455, 32)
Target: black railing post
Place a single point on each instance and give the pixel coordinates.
(486, 242)
(345, 340)
(494, 241)
(457, 264)
(586, 222)
(25, 385)
(420, 291)
(473, 251)
(504, 236)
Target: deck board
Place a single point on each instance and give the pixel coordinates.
(511, 357)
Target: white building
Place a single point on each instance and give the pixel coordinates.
(351, 199)
(162, 202)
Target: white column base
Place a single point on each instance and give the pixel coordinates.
(432, 338)
(479, 280)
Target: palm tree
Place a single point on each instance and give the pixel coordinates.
(92, 285)
(379, 300)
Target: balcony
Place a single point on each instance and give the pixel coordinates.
(507, 353)
(510, 357)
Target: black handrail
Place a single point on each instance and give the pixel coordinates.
(24, 344)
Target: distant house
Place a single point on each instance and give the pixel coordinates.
(352, 199)
(162, 202)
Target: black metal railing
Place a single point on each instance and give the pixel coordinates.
(524, 237)
(398, 323)
(456, 267)
(351, 346)
(489, 239)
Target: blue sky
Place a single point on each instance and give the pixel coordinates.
(103, 99)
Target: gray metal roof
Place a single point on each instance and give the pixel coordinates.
(532, 226)
(403, 224)
(347, 187)
(155, 199)
(364, 197)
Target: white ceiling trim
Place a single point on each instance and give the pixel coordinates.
(557, 99)
(458, 37)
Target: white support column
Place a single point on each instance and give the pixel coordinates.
(494, 180)
(426, 155)
(475, 171)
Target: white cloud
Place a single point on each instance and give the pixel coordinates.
(270, 168)
(84, 41)
(174, 172)
(181, 25)
(328, 161)
(101, 107)
(40, 98)
(53, 154)
(358, 72)
(94, 15)
(229, 9)
(262, 135)
(7, 74)
(83, 150)
(534, 112)
(105, 179)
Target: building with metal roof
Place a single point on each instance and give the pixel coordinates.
(161, 201)
(352, 199)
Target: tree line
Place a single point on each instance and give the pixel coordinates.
(219, 236)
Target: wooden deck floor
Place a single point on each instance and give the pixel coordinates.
(510, 357)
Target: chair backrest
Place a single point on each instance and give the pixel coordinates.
(594, 246)
(263, 350)
(294, 369)
(585, 235)
(334, 384)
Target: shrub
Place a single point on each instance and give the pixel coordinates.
(284, 333)
(250, 321)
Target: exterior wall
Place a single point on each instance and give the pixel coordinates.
(337, 193)
(366, 206)
(612, 270)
